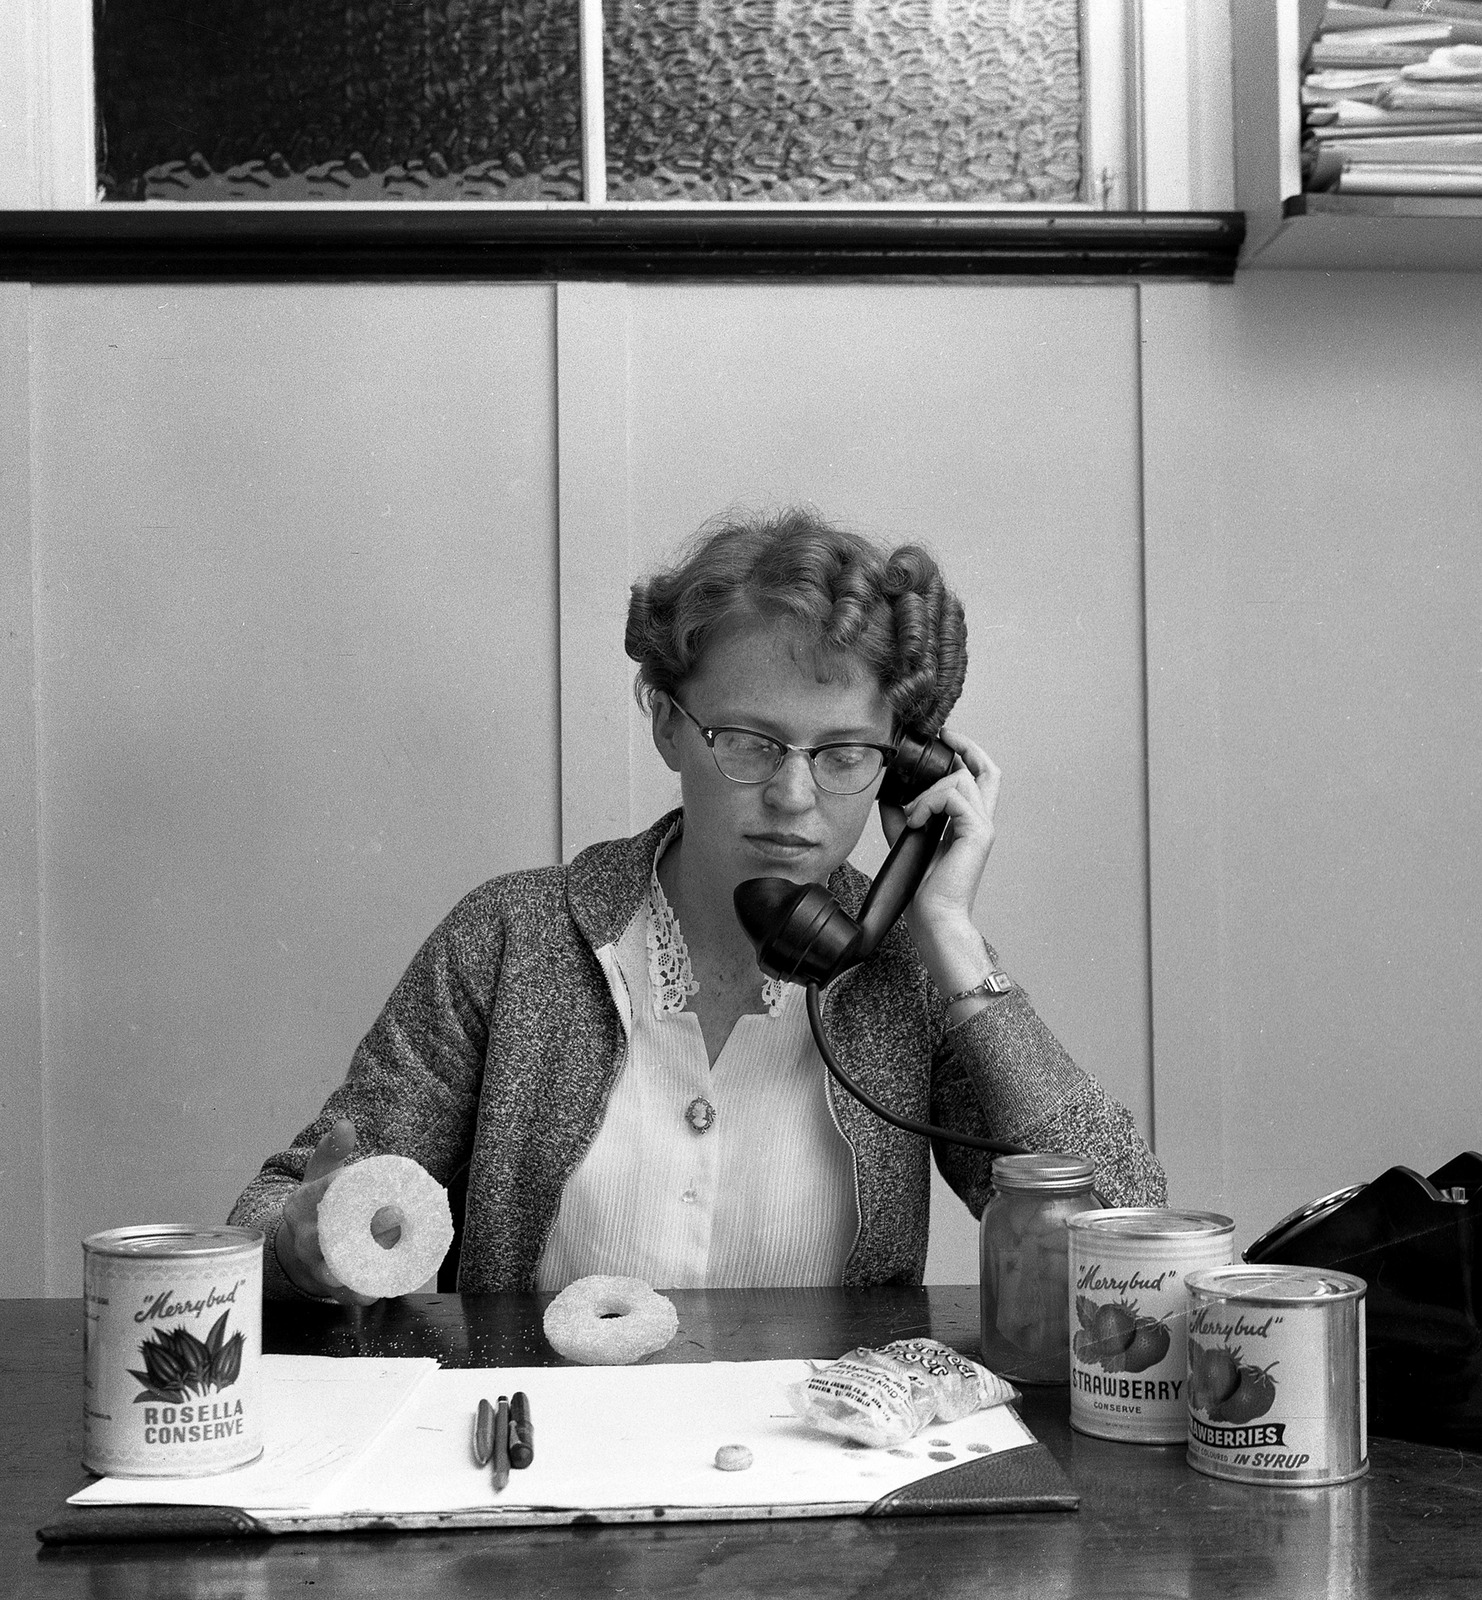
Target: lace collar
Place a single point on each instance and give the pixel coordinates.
(671, 979)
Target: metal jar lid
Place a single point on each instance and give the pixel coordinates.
(172, 1239)
(1047, 1174)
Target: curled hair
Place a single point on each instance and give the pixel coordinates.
(854, 603)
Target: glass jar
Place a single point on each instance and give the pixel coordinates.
(1024, 1264)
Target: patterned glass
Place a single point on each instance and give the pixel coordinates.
(338, 99)
(845, 100)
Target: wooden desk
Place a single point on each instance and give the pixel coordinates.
(1148, 1525)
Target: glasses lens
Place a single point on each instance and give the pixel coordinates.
(847, 768)
(746, 757)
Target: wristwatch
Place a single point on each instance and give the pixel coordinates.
(994, 983)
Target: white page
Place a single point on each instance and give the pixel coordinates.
(608, 1437)
(319, 1414)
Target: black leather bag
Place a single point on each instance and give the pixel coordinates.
(1415, 1242)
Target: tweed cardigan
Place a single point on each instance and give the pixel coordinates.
(500, 1045)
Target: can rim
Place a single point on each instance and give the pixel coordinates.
(190, 1239)
(1228, 1279)
(1214, 1224)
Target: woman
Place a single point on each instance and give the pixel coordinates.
(596, 1044)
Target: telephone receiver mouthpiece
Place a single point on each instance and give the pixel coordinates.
(800, 932)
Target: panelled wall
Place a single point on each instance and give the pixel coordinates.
(313, 616)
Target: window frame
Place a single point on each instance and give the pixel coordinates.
(1157, 125)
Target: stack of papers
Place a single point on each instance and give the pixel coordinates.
(1392, 99)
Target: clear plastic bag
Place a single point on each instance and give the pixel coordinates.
(882, 1397)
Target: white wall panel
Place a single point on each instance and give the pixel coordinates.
(1350, 525)
(296, 679)
(1317, 699)
(1183, 564)
(22, 1096)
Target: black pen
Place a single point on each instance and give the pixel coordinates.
(521, 1431)
(501, 1444)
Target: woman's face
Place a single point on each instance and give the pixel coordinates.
(758, 674)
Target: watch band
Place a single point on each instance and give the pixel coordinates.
(994, 983)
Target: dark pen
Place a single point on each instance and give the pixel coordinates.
(501, 1444)
(521, 1431)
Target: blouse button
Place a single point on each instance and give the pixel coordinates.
(700, 1114)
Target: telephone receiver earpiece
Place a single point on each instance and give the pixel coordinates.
(801, 933)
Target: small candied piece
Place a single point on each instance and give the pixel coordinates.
(1009, 1283)
(733, 1458)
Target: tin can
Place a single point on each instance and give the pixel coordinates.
(1276, 1375)
(172, 1342)
(1129, 1307)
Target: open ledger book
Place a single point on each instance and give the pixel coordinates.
(360, 1442)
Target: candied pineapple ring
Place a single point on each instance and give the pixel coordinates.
(413, 1200)
(609, 1322)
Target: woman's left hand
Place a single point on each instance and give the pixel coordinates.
(940, 917)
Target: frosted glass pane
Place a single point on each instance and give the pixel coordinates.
(329, 100)
(928, 100)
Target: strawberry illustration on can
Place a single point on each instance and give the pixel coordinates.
(1225, 1387)
(1117, 1338)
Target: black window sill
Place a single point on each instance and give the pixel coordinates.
(115, 244)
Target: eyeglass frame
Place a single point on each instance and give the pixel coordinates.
(886, 751)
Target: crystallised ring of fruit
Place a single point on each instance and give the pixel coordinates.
(412, 1201)
(609, 1322)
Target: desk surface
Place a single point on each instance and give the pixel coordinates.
(1148, 1525)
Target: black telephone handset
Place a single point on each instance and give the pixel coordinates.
(802, 934)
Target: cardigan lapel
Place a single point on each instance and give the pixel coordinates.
(607, 882)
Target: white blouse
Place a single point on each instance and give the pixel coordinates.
(724, 1177)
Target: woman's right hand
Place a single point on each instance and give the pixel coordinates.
(297, 1238)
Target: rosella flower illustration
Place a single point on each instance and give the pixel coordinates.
(178, 1365)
